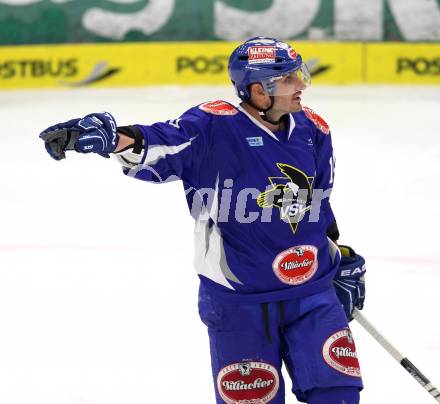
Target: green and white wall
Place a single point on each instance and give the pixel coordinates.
(62, 43)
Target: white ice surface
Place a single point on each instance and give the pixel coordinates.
(97, 291)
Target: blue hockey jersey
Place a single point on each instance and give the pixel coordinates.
(259, 199)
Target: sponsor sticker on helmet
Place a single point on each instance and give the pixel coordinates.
(296, 265)
(248, 382)
(317, 120)
(261, 54)
(339, 352)
(218, 108)
(292, 53)
(282, 45)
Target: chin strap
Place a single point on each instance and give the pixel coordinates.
(263, 112)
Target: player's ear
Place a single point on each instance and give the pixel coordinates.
(259, 97)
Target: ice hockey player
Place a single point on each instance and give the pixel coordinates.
(257, 178)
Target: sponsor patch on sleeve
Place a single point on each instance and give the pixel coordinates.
(317, 120)
(339, 352)
(218, 108)
(248, 382)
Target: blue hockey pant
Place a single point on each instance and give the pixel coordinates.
(249, 343)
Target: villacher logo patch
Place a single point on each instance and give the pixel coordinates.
(339, 352)
(296, 265)
(248, 382)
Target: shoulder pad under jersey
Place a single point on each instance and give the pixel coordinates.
(218, 107)
(317, 120)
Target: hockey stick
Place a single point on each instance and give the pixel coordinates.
(405, 362)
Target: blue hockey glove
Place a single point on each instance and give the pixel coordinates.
(95, 133)
(349, 281)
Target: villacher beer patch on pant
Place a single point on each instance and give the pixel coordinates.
(248, 382)
(339, 352)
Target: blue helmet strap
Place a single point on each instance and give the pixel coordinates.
(263, 113)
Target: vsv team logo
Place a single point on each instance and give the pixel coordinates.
(291, 193)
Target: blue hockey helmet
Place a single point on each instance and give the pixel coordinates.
(264, 60)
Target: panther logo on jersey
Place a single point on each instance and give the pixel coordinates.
(292, 194)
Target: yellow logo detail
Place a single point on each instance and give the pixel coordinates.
(291, 193)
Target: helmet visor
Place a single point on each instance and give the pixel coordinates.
(288, 83)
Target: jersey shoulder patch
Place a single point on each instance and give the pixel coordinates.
(317, 120)
(218, 108)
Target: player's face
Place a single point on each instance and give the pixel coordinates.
(290, 89)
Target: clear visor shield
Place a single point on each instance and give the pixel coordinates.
(289, 83)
